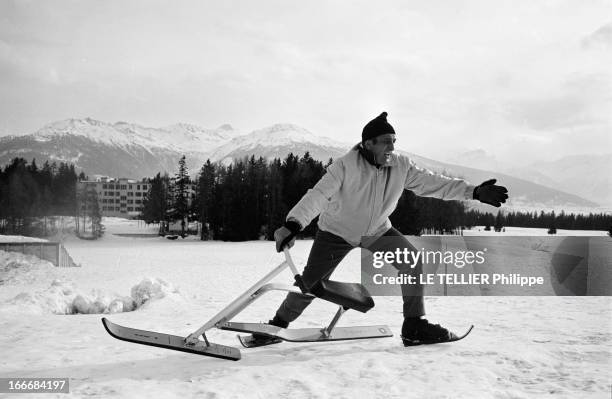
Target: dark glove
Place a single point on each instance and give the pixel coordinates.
(491, 194)
(285, 235)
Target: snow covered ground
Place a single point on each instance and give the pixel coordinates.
(20, 239)
(520, 347)
(525, 231)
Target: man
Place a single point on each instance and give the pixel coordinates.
(354, 200)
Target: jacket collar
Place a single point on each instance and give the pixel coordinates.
(369, 157)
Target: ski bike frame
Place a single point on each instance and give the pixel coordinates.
(346, 295)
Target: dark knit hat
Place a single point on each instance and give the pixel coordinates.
(376, 127)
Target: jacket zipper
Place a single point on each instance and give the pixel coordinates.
(374, 202)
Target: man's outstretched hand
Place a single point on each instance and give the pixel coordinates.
(491, 194)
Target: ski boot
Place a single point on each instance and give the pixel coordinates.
(417, 331)
(261, 339)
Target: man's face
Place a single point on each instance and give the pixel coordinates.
(382, 147)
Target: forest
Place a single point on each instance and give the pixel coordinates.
(245, 200)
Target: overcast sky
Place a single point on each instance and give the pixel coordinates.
(520, 79)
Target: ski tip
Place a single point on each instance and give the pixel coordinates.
(106, 323)
(465, 334)
(108, 326)
(241, 340)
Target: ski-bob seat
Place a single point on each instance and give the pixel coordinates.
(348, 295)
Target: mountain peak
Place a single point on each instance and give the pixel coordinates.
(93, 122)
(284, 132)
(285, 127)
(226, 126)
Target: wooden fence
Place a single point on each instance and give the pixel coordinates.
(53, 252)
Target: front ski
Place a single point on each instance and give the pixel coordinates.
(249, 342)
(455, 338)
(168, 341)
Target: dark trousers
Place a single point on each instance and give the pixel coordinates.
(327, 252)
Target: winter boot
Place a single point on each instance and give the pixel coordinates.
(262, 339)
(417, 331)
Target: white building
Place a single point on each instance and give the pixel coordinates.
(120, 197)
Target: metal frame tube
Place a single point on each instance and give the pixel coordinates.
(289, 260)
(237, 305)
(327, 330)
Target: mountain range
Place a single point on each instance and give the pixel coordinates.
(125, 149)
(585, 175)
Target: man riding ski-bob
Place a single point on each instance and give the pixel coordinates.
(354, 200)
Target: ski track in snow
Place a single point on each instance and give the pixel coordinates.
(521, 347)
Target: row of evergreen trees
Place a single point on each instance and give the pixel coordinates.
(29, 195)
(245, 200)
(551, 221)
(250, 198)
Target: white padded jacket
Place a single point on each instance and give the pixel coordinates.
(355, 198)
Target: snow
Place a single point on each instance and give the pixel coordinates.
(20, 239)
(521, 347)
(179, 137)
(116, 225)
(151, 289)
(525, 231)
(17, 268)
(280, 134)
(29, 276)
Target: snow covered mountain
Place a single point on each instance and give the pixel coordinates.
(119, 149)
(179, 137)
(585, 175)
(525, 195)
(277, 141)
(129, 150)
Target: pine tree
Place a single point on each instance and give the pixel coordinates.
(499, 223)
(205, 187)
(155, 204)
(87, 200)
(275, 206)
(181, 195)
(552, 229)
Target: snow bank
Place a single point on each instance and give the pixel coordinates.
(20, 239)
(152, 289)
(64, 298)
(57, 299)
(17, 268)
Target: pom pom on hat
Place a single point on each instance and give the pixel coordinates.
(377, 127)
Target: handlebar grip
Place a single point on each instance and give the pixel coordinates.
(286, 241)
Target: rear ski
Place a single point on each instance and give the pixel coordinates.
(308, 334)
